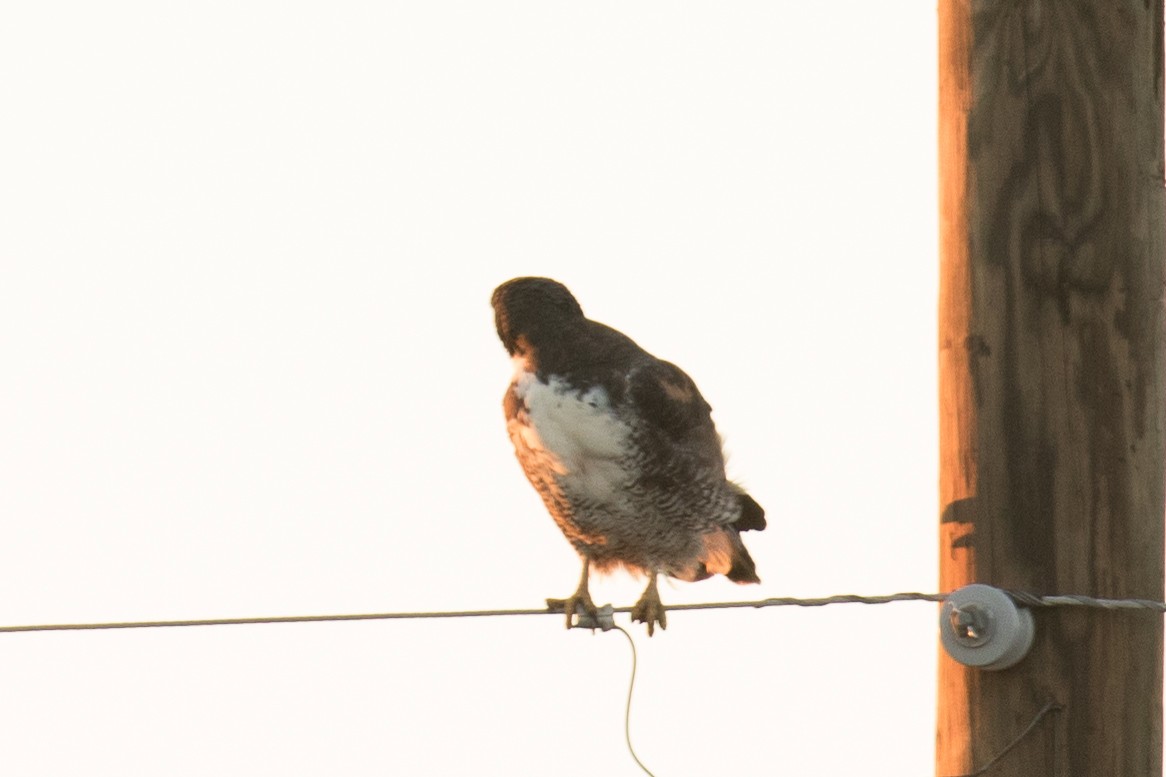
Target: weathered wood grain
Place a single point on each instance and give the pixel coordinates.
(1052, 403)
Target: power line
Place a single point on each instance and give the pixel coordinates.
(775, 602)
(1021, 598)
(1077, 600)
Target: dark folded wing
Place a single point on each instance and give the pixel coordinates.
(673, 415)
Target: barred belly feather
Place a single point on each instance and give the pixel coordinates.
(584, 461)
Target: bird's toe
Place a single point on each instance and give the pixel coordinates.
(650, 611)
(576, 604)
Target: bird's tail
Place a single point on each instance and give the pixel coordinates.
(725, 554)
(752, 516)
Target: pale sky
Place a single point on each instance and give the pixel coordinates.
(249, 368)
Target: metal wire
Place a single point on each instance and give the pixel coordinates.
(627, 713)
(1021, 598)
(777, 602)
(1076, 600)
(1051, 706)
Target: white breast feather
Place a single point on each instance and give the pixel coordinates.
(575, 436)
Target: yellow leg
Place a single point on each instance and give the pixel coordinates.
(581, 598)
(649, 609)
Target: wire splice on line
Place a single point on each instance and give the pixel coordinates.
(1025, 599)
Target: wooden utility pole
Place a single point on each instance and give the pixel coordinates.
(1051, 373)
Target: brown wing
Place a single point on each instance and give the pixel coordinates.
(678, 425)
(673, 412)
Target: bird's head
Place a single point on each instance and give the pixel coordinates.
(533, 310)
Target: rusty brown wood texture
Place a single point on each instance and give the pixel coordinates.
(1051, 372)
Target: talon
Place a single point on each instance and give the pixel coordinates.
(571, 606)
(649, 609)
(581, 598)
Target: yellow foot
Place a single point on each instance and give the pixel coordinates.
(649, 609)
(580, 600)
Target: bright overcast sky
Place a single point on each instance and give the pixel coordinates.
(249, 368)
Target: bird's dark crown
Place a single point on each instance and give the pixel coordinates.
(534, 308)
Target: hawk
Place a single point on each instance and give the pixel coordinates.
(621, 447)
